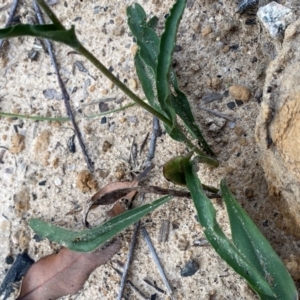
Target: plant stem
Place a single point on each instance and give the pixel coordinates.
(110, 111)
(202, 156)
(50, 14)
(89, 56)
(36, 118)
(82, 50)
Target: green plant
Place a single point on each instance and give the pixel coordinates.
(168, 103)
(249, 253)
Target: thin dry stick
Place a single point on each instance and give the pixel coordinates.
(155, 133)
(65, 94)
(156, 260)
(140, 293)
(128, 261)
(10, 18)
(218, 114)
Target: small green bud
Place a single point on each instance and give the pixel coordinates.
(173, 169)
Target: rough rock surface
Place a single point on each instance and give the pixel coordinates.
(278, 127)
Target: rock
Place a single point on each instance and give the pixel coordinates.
(278, 130)
(132, 84)
(85, 181)
(239, 92)
(275, 18)
(42, 142)
(106, 146)
(21, 201)
(231, 105)
(182, 244)
(118, 31)
(190, 268)
(17, 143)
(206, 30)
(58, 181)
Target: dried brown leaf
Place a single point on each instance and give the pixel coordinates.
(63, 273)
(118, 208)
(112, 196)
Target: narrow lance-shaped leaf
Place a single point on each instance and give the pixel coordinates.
(146, 37)
(183, 110)
(256, 249)
(222, 245)
(48, 31)
(166, 47)
(89, 239)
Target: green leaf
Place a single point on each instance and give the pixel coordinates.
(256, 249)
(50, 32)
(182, 108)
(147, 78)
(90, 239)
(146, 37)
(167, 43)
(222, 245)
(152, 23)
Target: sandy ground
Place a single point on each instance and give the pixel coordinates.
(43, 173)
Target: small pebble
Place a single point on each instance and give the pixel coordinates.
(258, 95)
(190, 268)
(119, 30)
(42, 183)
(132, 84)
(17, 143)
(240, 92)
(231, 105)
(52, 94)
(58, 181)
(275, 18)
(103, 120)
(249, 193)
(112, 127)
(92, 88)
(132, 119)
(206, 30)
(232, 125)
(9, 260)
(103, 107)
(37, 238)
(182, 244)
(106, 146)
(239, 102)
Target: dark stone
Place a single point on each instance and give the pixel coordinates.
(190, 268)
(254, 59)
(177, 48)
(43, 182)
(9, 259)
(71, 144)
(37, 238)
(266, 223)
(226, 94)
(231, 105)
(103, 106)
(239, 102)
(103, 120)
